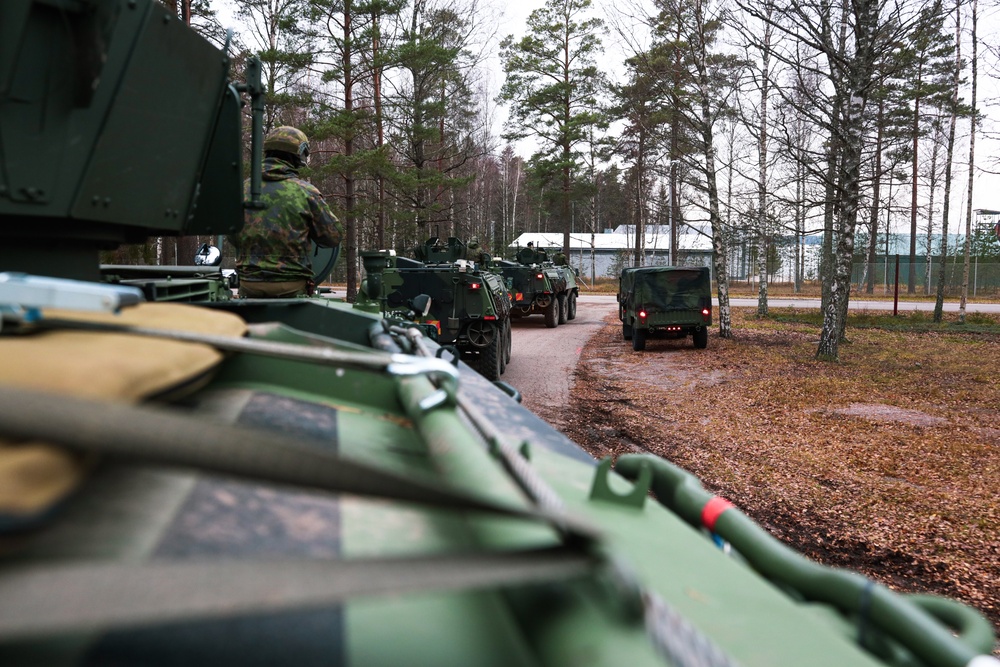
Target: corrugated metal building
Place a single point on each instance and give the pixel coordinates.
(604, 255)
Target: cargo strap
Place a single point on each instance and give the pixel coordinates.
(104, 596)
(145, 434)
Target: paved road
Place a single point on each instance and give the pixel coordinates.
(855, 304)
(543, 360)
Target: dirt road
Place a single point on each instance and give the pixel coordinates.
(543, 360)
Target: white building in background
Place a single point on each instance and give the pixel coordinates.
(604, 255)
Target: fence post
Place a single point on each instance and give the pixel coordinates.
(895, 290)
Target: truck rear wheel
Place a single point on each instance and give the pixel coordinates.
(626, 331)
(701, 338)
(563, 308)
(572, 306)
(639, 340)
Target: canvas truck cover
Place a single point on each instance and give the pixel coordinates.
(668, 287)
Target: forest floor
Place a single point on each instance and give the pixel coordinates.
(887, 462)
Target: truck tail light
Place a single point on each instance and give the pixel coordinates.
(474, 286)
(539, 276)
(706, 313)
(643, 314)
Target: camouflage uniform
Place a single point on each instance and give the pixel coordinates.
(276, 241)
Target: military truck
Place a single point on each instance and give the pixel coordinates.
(469, 304)
(539, 286)
(297, 482)
(665, 302)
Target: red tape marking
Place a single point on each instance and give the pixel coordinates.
(712, 510)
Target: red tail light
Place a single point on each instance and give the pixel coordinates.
(642, 314)
(539, 276)
(490, 317)
(474, 286)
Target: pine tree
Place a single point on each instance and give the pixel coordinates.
(553, 85)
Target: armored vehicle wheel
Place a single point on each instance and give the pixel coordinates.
(572, 307)
(626, 331)
(552, 314)
(508, 348)
(701, 338)
(639, 340)
(482, 334)
(503, 346)
(563, 308)
(489, 360)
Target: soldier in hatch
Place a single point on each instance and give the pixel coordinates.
(477, 253)
(276, 240)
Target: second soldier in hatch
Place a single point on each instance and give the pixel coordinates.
(276, 241)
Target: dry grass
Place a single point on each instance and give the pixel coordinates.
(887, 462)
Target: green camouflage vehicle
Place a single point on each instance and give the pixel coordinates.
(538, 286)
(297, 482)
(468, 305)
(665, 302)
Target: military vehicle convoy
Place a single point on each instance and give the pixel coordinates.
(468, 304)
(539, 286)
(298, 482)
(665, 302)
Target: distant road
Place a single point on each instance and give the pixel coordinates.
(904, 306)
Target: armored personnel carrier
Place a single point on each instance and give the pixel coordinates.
(468, 303)
(297, 482)
(538, 286)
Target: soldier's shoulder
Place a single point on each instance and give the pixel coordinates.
(308, 187)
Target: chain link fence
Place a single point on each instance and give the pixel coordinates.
(882, 276)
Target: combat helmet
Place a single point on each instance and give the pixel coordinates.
(287, 139)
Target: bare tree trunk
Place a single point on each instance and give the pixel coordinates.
(860, 69)
(379, 127)
(911, 286)
(972, 169)
(719, 250)
(350, 221)
(928, 242)
(876, 193)
(762, 221)
(949, 156)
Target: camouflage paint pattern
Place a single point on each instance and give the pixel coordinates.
(276, 241)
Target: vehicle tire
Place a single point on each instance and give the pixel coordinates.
(552, 314)
(509, 347)
(639, 340)
(626, 331)
(700, 337)
(489, 360)
(572, 306)
(563, 308)
(503, 351)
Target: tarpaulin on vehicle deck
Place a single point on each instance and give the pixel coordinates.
(668, 287)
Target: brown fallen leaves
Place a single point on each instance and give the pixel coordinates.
(887, 462)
